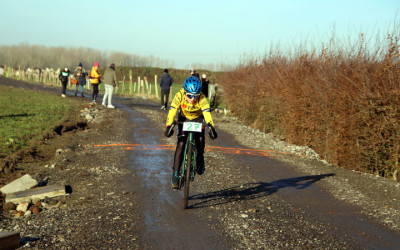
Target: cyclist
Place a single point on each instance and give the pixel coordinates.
(192, 105)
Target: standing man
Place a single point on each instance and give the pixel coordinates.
(63, 76)
(204, 84)
(194, 73)
(165, 84)
(110, 81)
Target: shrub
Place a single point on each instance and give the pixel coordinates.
(344, 105)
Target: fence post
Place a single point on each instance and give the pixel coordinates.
(123, 81)
(138, 86)
(155, 85)
(130, 81)
(147, 85)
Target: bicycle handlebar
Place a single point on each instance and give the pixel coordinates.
(211, 130)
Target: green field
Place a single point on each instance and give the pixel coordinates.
(25, 116)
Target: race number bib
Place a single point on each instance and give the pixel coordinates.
(192, 126)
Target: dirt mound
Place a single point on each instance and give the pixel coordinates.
(40, 151)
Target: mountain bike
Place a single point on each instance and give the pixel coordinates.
(187, 171)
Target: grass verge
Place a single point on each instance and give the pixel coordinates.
(26, 116)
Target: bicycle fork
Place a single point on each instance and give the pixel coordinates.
(185, 167)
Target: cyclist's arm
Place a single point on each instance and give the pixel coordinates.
(205, 107)
(175, 104)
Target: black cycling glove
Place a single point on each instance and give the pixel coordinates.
(212, 133)
(168, 131)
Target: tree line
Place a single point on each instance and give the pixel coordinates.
(38, 56)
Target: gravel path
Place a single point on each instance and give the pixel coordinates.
(261, 220)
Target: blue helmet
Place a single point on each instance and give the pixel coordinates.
(192, 85)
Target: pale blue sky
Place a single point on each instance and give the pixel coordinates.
(189, 32)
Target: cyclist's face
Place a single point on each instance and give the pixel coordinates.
(191, 100)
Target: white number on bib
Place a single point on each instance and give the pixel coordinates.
(192, 126)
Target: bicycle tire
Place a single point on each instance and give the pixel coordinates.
(187, 173)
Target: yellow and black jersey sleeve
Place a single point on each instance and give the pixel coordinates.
(206, 110)
(175, 105)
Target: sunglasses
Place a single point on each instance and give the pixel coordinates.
(190, 96)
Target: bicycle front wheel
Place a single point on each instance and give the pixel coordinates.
(188, 169)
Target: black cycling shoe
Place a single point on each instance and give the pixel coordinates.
(201, 169)
(174, 180)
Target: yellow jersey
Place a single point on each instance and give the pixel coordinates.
(190, 111)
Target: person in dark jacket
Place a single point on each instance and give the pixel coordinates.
(204, 84)
(165, 84)
(63, 77)
(80, 73)
(194, 73)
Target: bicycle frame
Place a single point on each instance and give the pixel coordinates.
(184, 166)
(187, 170)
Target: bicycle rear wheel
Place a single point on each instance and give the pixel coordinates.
(189, 156)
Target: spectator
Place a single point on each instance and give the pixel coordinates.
(213, 98)
(194, 73)
(165, 84)
(95, 80)
(204, 84)
(80, 74)
(63, 76)
(110, 81)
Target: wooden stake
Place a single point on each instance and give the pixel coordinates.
(155, 85)
(147, 85)
(138, 86)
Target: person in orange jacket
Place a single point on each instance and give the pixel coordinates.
(95, 80)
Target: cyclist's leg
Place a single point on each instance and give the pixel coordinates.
(200, 145)
(179, 152)
(180, 147)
